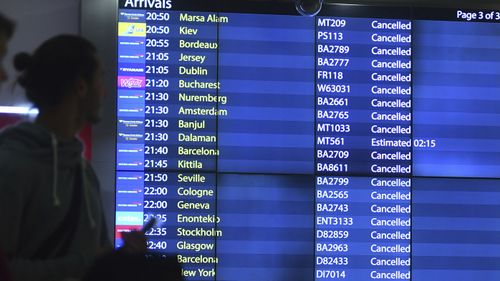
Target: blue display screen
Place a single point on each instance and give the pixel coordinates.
(358, 144)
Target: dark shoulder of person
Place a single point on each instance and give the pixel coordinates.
(134, 267)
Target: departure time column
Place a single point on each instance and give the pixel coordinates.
(157, 106)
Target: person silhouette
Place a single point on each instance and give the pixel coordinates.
(50, 205)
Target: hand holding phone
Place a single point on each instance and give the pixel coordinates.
(135, 241)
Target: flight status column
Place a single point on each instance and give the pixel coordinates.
(363, 127)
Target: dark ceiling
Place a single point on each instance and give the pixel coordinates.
(442, 3)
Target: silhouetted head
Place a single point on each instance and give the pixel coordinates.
(63, 68)
(6, 31)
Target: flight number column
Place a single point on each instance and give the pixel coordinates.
(333, 94)
(333, 218)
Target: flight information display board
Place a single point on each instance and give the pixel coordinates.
(358, 144)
